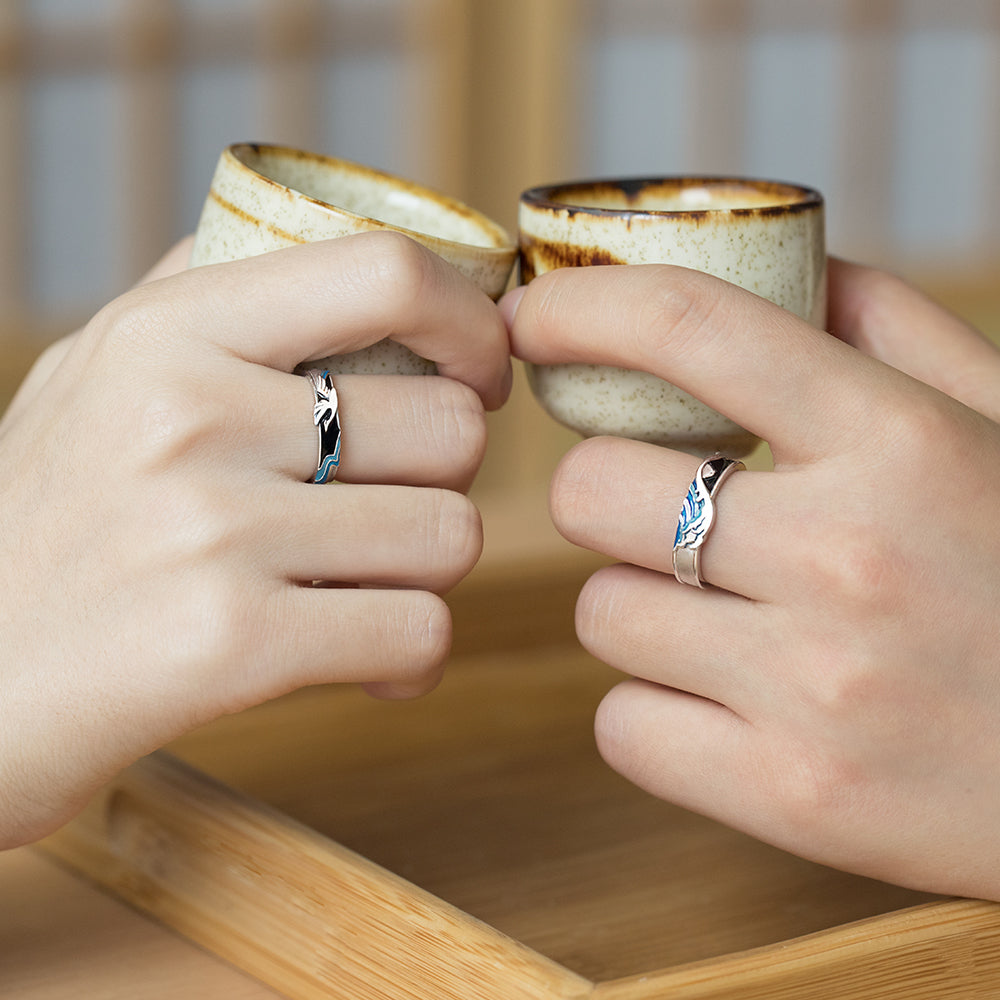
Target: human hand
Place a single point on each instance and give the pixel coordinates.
(159, 537)
(837, 692)
(173, 262)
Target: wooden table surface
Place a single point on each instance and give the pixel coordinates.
(63, 939)
(489, 795)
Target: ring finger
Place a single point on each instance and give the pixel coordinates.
(396, 429)
(624, 498)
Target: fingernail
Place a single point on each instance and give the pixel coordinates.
(509, 303)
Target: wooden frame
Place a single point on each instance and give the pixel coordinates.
(315, 920)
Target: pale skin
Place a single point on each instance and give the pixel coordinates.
(836, 691)
(160, 533)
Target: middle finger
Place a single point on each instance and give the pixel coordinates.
(383, 536)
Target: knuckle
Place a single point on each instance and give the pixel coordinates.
(814, 786)
(54, 353)
(166, 412)
(841, 688)
(170, 420)
(400, 265)
(612, 729)
(139, 317)
(858, 569)
(624, 742)
(678, 312)
(848, 685)
(31, 809)
(921, 431)
(459, 423)
(547, 297)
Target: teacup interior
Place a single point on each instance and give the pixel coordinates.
(368, 192)
(680, 195)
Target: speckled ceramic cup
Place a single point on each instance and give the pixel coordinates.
(765, 236)
(266, 197)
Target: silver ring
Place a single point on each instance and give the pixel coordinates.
(327, 422)
(697, 516)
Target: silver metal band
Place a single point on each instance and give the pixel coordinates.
(697, 516)
(327, 421)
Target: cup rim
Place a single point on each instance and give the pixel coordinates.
(800, 198)
(504, 245)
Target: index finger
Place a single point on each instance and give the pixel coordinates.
(786, 381)
(319, 299)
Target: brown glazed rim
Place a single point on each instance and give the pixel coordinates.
(242, 151)
(559, 197)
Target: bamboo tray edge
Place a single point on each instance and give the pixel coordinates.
(315, 920)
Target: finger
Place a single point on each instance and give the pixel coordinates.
(682, 748)
(310, 301)
(699, 755)
(624, 498)
(799, 388)
(392, 536)
(400, 430)
(395, 429)
(308, 635)
(886, 318)
(650, 626)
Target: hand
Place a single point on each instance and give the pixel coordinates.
(159, 537)
(837, 692)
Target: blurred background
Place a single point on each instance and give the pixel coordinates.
(113, 113)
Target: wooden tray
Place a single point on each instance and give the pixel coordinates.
(472, 844)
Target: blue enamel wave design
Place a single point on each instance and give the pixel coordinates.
(691, 523)
(331, 461)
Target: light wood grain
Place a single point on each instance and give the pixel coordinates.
(63, 939)
(284, 903)
(945, 951)
(472, 843)
(490, 794)
(528, 869)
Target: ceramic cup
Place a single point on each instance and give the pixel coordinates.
(762, 235)
(266, 197)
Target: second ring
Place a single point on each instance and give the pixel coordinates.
(697, 517)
